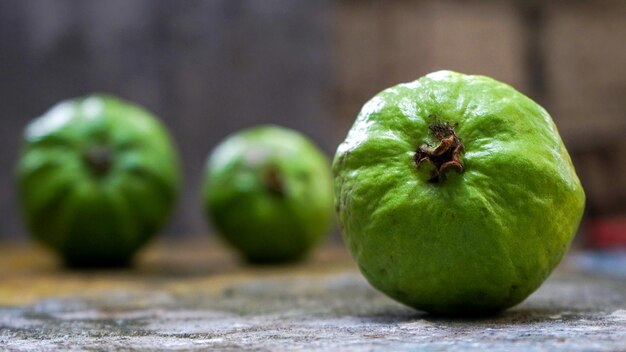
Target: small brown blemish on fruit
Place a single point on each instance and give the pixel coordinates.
(99, 160)
(274, 182)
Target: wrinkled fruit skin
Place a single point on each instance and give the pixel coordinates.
(97, 178)
(268, 192)
(478, 241)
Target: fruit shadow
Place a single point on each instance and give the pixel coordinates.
(187, 269)
(515, 316)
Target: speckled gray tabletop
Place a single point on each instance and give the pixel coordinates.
(196, 297)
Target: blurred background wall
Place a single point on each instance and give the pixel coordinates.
(209, 68)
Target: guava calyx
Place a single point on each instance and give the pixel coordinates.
(444, 157)
(273, 181)
(99, 160)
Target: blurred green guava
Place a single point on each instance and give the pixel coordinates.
(455, 194)
(98, 177)
(268, 192)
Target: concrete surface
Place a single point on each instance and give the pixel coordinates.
(199, 297)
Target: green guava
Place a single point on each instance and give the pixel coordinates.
(97, 179)
(455, 194)
(268, 191)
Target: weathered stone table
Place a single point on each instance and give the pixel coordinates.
(197, 296)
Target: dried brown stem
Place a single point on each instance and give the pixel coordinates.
(444, 157)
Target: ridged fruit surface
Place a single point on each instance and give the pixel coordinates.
(97, 178)
(268, 192)
(456, 194)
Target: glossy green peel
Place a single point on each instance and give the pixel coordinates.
(97, 178)
(473, 236)
(268, 192)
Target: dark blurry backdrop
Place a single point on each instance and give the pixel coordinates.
(209, 68)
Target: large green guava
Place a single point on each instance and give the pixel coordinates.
(97, 178)
(268, 192)
(455, 194)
